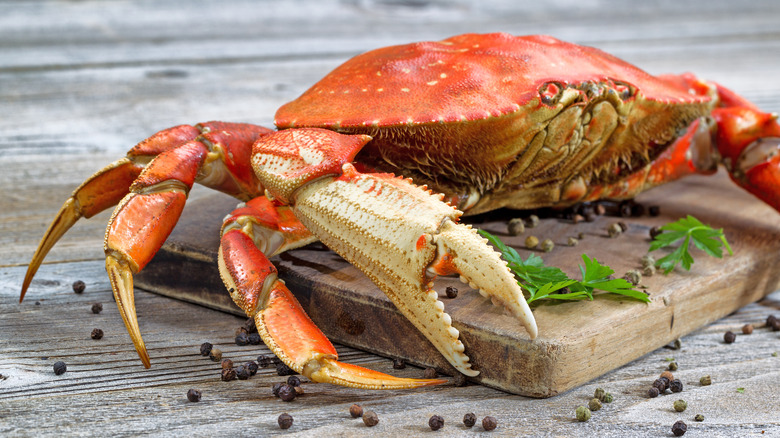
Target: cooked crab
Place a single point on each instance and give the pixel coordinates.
(485, 121)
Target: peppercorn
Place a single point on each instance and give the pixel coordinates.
(193, 395)
(254, 339)
(79, 286)
(399, 364)
(770, 320)
(774, 323)
(532, 221)
(679, 428)
(459, 380)
(655, 231)
(515, 227)
(623, 226)
(298, 390)
(547, 245)
(226, 363)
(252, 367)
(747, 329)
(429, 373)
(97, 308)
(672, 366)
(599, 394)
(648, 271)
(242, 339)
(648, 260)
(582, 413)
(614, 230)
(283, 370)
(276, 387)
(668, 374)
(729, 337)
(242, 372)
(633, 276)
(580, 235)
(624, 209)
(97, 334)
(205, 348)
(676, 385)
(356, 411)
(60, 368)
(436, 422)
(241, 330)
(573, 241)
(469, 420)
(661, 384)
(531, 242)
(705, 380)
(285, 421)
(215, 354)
(489, 423)
(590, 217)
(680, 405)
(249, 326)
(608, 398)
(654, 210)
(263, 361)
(653, 392)
(228, 374)
(287, 393)
(594, 404)
(698, 417)
(294, 381)
(451, 292)
(370, 418)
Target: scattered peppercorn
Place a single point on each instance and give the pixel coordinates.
(668, 374)
(698, 417)
(37, 303)
(673, 366)
(531, 242)
(193, 395)
(729, 337)
(215, 354)
(263, 361)
(459, 380)
(370, 418)
(648, 260)
(242, 339)
(298, 390)
(594, 404)
(654, 210)
(633, 276)
(97, 308)
(590, 217)
(608, 398)
(356, 411)
(582, 413)
(653, 392)
(648, 271)
(623, 226)
(547, 245)
(276, 387)
(436, 422)
(60, 368)
(242, 372)
(452, 292)
(79, 286)
(655, 231)
(287, 393)
(624, 209)
(773, 323)
(770, 320)
(489, 423)
(429, 373)
(599, 393)
(249, 325)
(228, 374)
(580, 235)
(226, 363)
(469, 420)
(573, 241)
(676, 385)
(285, 421)
(97, 334)
(747, 329)
(679, 428)
(532, 221)
(252, 367)
(254, 339)
(515, 227)
(614, 230)
(283, 370)
(241, 330)
(205, 348)
(705, 380)
(294, 381)
(662, 384)
(680, 405)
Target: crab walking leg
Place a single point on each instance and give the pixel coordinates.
(385, 226)
(282, 323)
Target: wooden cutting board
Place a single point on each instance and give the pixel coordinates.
(577, 341)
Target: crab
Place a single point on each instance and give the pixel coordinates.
(380, 158)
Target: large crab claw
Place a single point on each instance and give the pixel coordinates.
(394, 231)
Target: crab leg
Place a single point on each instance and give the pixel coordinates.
(262, 227)
(387, 227)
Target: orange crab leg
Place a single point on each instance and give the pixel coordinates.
(282, 323)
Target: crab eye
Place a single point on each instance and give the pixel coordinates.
(550, 92)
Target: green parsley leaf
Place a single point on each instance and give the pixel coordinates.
(688, 229)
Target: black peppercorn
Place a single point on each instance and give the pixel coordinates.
(661, 384)
(624, 209)
(193, 395)
(436, 422)
(285, 421)
(252, 367)
(60, 368)
(679, 428)
(469, 419)
(249, 326)
(356, 411)
(429, 373)
(228, 374)
(287, 393)
(452, 292)
(654, 210)
(276, 387)
(263, 361)
(242, 372)
(97, 308)
(676, 385)
(242, 339)
(489, 423)
(459, 380)
(729, 337)
(399, 364)
(205, 348)
(370, 418)
(254, 339)
(226, 363)
(655, 231)
(97, 334)
(770, 320)
(79, 286)
(774, 324)
(284, 370)
(294, 381)
(653, 392)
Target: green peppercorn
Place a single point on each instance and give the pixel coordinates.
(680, 405)
(648, 260)
(533, 220)
(608, 398)
(515, 227)
(648, 271)
(705, 380)
(547, 245)
(599, 394)
(672, 366)
(582, 413)
(531, 242)
(698, 417)
(633, 276)
(594, 404)
(614, 230)
(573, 241)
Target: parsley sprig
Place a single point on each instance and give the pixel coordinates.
(688, 229)
(542, 282)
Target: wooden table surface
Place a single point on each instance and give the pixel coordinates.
(81, 82)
